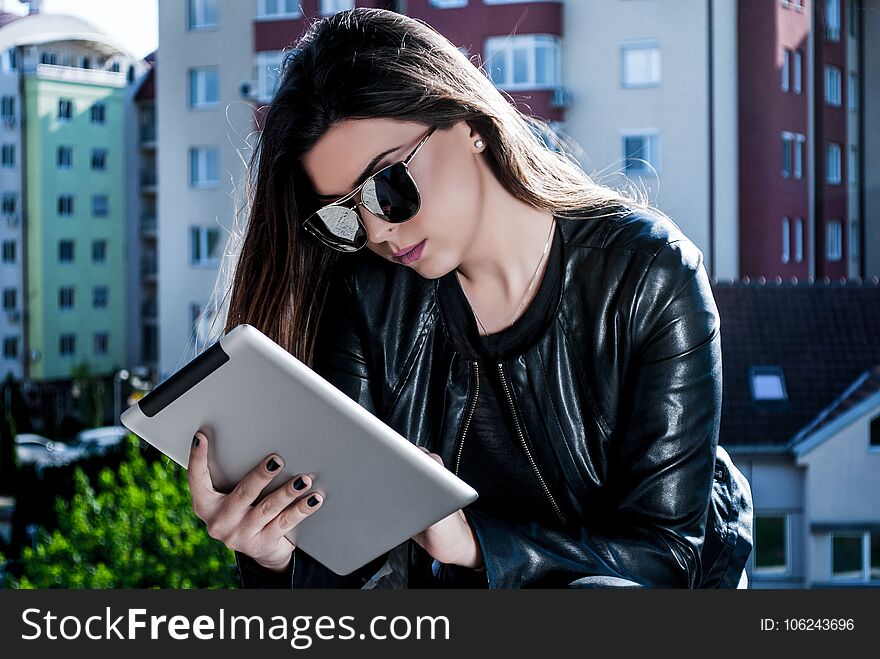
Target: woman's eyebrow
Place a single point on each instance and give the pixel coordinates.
(368, 170)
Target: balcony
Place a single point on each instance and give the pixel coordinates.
(148, 225)
(149, 266)
(148, 181)
(76, 74)
(148, 309)
(148, 136)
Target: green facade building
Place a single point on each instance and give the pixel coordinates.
(75, 208)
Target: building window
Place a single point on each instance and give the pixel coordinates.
(271, 9)
(798, 144)
(833, 240)
(65, 109)
(640, 64)
(7, 155)
(7, 107)
(10, 59)
(832, 20)
(204, 87)
(99, 160)
(268, 65)
(10, 203)
(833, 164)
(201, 14)
(767, 383)
(99, 297)
(853, 169)
(771, 544)
(9, 251)
(67, 345)
(65, 251)
(65, 157)
(101, 343)
(528, 61)
(332, 6)
(203, 167)
(641, 153)
(65, 205)
(786, 69)
(100, 205)
(10, 299)
(66, 297)
(786, 240)
(10, 347)
(98, 113)
(833, 83)
(205, 247)
(798, 240)
(99, 251)
(874, 438)
(852, 92)
(796, 71)
(448, 4)
(48, 57)
(855, 556)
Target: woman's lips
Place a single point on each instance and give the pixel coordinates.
(413, 255)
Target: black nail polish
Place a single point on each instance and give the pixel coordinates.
(299, 484)
(272, 465)
(313, 501)
(195, 441)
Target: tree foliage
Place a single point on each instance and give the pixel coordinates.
(134, 529)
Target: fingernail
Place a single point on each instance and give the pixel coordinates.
(272, 465)
(195, 441)
(313, 501)
(299, 484)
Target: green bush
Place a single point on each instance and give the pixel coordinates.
(136, 529)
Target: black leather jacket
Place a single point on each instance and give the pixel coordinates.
(619, 402)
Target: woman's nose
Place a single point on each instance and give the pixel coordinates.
(378, 230)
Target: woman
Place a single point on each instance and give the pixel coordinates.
(549, 340)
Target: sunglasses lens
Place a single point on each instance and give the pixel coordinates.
(392, 194)
(339, 227)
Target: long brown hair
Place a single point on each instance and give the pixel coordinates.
(372, 63)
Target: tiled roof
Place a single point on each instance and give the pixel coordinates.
(864, 387)
(823, 335)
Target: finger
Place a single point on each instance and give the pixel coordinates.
(204, 497)
(436, 457)
(266, 510)
(293, 515)
(248, 488)
(197, 469)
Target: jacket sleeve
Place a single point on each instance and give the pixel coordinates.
(340, 359)
(661, 452)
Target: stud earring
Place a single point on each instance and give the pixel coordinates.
(479, 144)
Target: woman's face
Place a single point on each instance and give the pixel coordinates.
(448, 171)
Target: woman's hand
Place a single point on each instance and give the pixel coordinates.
(257, 531)
(451, 540)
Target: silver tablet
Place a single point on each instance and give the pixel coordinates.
(255, 398)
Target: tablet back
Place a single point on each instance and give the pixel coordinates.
(253, 398)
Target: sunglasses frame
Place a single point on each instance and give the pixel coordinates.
(309, 225)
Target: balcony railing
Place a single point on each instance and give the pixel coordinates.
(149, 265)
(148, 224)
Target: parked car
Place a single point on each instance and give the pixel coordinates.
(97, 441)
(41, 452)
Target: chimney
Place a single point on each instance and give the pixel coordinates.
(33, 6)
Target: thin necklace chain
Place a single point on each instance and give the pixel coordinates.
(528, 290)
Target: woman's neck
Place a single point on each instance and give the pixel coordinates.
(508, 247)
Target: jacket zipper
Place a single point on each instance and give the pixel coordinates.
(525, 446)
(475, 369)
